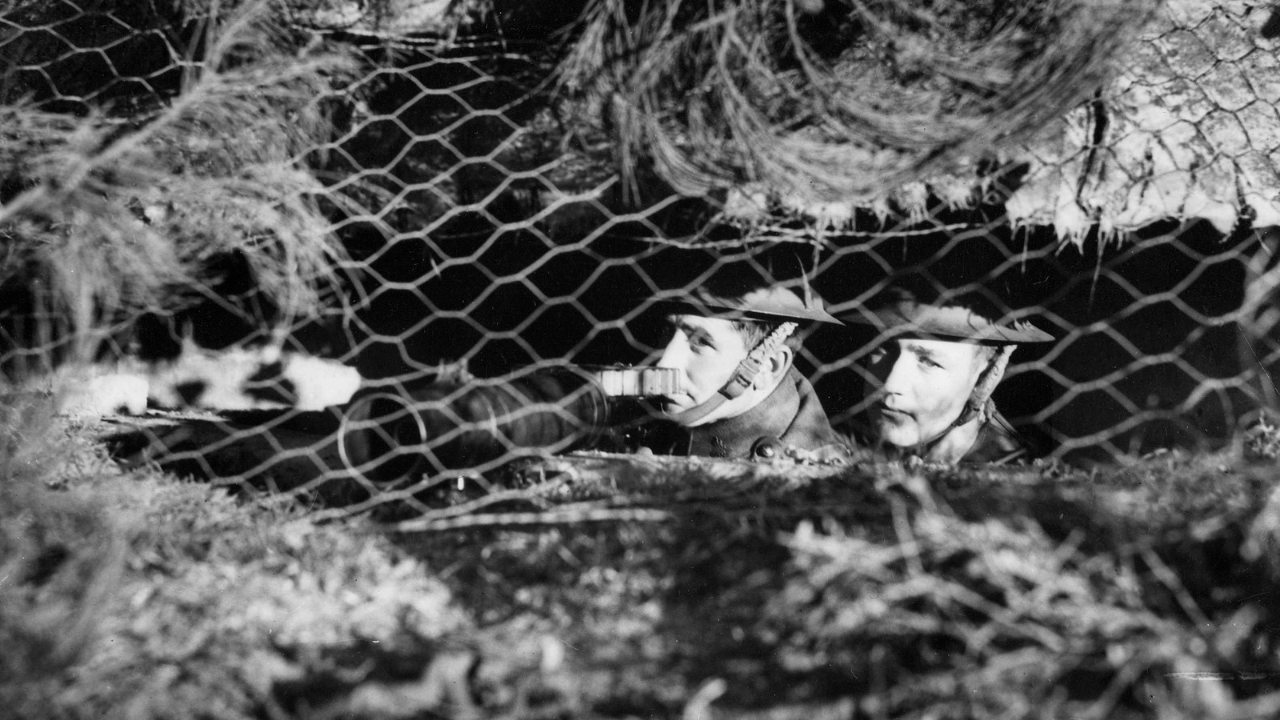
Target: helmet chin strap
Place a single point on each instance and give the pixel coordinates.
(986, 385)
(743, 376)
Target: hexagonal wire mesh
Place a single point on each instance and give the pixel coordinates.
(476, 232)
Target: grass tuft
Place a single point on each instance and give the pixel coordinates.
(821, 101)
(125, 207)
(60, 555)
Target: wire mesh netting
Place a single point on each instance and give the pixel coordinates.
(420, 198)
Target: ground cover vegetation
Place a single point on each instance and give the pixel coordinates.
(880, 590)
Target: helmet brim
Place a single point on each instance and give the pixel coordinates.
(956, 324)
(775, 306)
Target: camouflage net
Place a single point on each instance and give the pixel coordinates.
(415, 196)
(824, 101)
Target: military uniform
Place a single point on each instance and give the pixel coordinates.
(791, 419)
(999, 442)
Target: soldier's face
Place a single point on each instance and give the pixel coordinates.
(705, 351)
(919, 387)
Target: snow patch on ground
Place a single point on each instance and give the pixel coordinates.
(92, 392)
(235, 379)
(242, 378)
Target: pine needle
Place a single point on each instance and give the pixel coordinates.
(821, 101)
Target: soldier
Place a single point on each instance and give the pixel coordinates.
(741, 396)
(930, 379)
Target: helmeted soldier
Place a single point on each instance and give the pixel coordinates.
(733, 346)
(930, 378)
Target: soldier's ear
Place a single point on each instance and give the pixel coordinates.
(779, 362)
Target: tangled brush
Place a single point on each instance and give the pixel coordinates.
(885, 591)
(122, 192)
(60, 556)
(821, 101)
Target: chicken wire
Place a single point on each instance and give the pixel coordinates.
(481, 238)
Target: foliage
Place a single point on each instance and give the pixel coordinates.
(60, 556)
(120, 201)
(1262, 439)
(888, 591)
(222, 607)
(881, 589)
(820, 101)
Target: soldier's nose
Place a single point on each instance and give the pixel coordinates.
(672, 356)
(896, 381)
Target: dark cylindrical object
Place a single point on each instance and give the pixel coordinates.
(388, 436)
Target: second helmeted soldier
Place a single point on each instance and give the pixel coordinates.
(930, 375)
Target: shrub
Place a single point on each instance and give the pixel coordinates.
(60, 556)
(122, 197)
